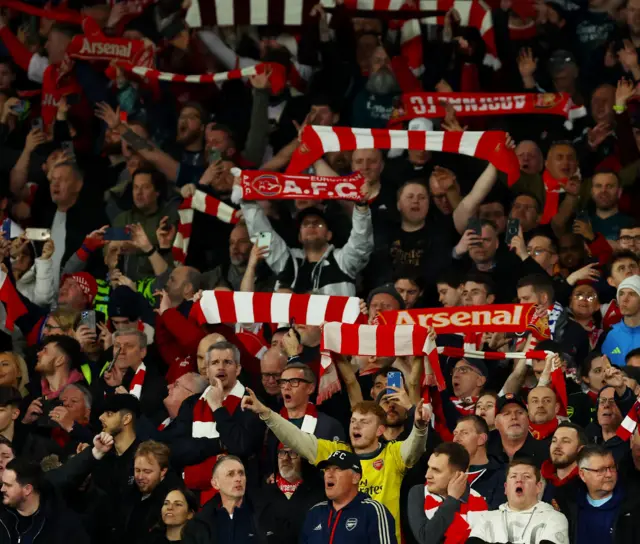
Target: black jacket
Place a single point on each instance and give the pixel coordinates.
(253, 523)
(53, 523)
(488, 480)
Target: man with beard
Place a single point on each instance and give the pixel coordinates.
(629, 238)
(605, 192)
(450, 285)
(561, 469)
(409, 286)
(189, 145)
(485, 475)
(373, 105)
(318, 266)
(399, 411)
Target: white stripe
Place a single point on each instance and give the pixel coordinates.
(186, 216)
(136, 391)
(383, 522)
(367, 340)
(403, 336)
(209, 306)
(259, 12)
(469, 143)
(293, 12)
(3, 276)
(193, 18)
(249, 71)
(180, 241)
(309, 424)
(395, 5)
(399, 139)
(365, 4)
(204, 429)
(364, 138)
(317, 309)
(280, 307)
(434, 141)
(199, 201)
(224, 12)
(463, 7)
(328, 138)
(243, 303)
(225, 212)
(487, 23)
(332, 337)
(351, 310)
(194, 78)
(629, 424)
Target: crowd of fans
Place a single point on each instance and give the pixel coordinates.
(126, 419)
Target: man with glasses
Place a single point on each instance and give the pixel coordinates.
(629, 239)
(272, 364)
(468, 377)
(603, 512)
(212, 423)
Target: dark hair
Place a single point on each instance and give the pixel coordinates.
(633, 353)
(482, 279)
(452, 278)
(204, 114)
(458, 456)
(193, 504)
(488, 223)
(618, 256)
(10, 396)
(606, 171)
(479, 423)
(158, 180)
(583, 439)
(69, 346)
(27, 473)
(8, 61)
(406, 272)
(6, 442)
(411, 182)
(540, 284)
(589, 451)
(552, 244)
(527, 461)
(585, 366)
(530, 195)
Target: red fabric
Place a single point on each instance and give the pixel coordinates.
(288, 488)
(540, 431)
(19, 53)
(466, 406)
(53, 89)
(601, 249)
(262, 185)
(61, 13)
(408, 82)
(630, 422)
(10, 297)
(177, 339)
(559, 386)
(612, 315)
(552, 198)
(549, 473)
(458, 531)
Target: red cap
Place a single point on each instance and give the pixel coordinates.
(85, 281)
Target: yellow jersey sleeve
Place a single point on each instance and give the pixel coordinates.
(327, 447)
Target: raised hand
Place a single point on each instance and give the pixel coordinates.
(110, 116)
(165, 233)
(250, 402)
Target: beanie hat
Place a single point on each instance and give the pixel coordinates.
(632, 282)
(123, 302)
(388, 289)
(85, 281)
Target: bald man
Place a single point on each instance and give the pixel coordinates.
(272, 365)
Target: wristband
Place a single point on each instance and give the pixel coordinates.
(619, 109)
(150, 252)
(164, 250)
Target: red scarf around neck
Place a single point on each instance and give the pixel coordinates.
(310, 420)
(540, 431)
(465, 406)
(135, 387)
(550, 474)
(288, 488)
(553, 188)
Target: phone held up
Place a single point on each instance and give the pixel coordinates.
(394, 379)
(513, 229)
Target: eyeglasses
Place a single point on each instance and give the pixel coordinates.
(536, 251)
(627, 238)
(583, 297)
(606, 402)
(293, 382)
(270, 375)
(463, 370)
(287, 453)
(312, 224)
(178, 384)
(602, 471)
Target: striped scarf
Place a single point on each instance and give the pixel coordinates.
(489, 145)
(310, 420)
(630, 422)
(459, 530)
(164, 424)
(465, 406)
(204, 426)
(135, 387)
(203, 203)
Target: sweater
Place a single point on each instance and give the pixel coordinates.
(596, 523)
(620, 340)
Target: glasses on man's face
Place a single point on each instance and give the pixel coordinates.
(463, 370)
(292, 382)
(282, 454)
(628, 239)
(583, 297)
(178, 384)
(606, 402)
(312, 224)
(270, 375)
(536, 251)
(602, 471)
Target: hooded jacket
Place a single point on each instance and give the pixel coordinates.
(37, 283)
(620, 340)
(541, 523)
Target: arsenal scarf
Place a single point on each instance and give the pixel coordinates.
(310, 420)
(12, 301)
(553, 188)
(459, 530)
(204, 426)
(630, 422)
(429, 105)
(277, 77)
(164, 424)
(540, 431)
(610, 314)
(135, 387)
(203, 203)
(550, 474)
(288, 488)
(489, 146)
(246, 307)
(257, 185)
(465, 406)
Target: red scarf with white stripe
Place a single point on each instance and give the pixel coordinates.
(164, 424)
(203, 203)
(204, 426)
(310, 420)
(288, 488)
(630, 422)
(135, 387)
(611, 315)
(489, 145)
(464, 406)
(458, 532)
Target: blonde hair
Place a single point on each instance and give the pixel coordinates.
(66, 319)
(21, 367)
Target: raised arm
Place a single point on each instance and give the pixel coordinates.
(469, 205)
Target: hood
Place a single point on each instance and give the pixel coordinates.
(539, 508)
(28, 277)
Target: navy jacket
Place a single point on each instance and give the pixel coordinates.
(363, 520)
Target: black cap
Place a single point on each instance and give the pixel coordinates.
(388, 289)
(510, 398)
(123, 302)
(311, 211)
(118, 402)
(344, 460)
(9, 396)
(478, 364)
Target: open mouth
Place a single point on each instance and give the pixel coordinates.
(519, 491)
(356, 435)
(330, 485)
(286, 397)
(221, 375)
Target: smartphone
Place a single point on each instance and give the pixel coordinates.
(264, 239)
(583, 215)
(114, 234)
(513, 229)
(37, 123)
(116, 354)
(6, 229)
(88, 318)
(68, 148)
(38, 235)
(475, 225)
(214, 155)
(394, 379)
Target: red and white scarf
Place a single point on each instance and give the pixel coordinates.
(277, 77)
(246, 307)
(288, 488)
(550, 474)
(610, 314)
(165, 424)
(135, 387)
(459, 530)
(310, 420)
(489, 146)
(204, 426)
(553, 188)
(258, 185)
(203, 203)
(465, 406)
(630, 422)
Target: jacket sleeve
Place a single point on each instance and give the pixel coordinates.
(257, 221)
(185, 332)
(70, 475)
(425, 530)
(44, 291)
(354, 256)
(285, 431)
(381, 526)
(242, 433)
(413, 447)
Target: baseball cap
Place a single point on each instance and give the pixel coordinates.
(420, 123)
(118, 402)
(388, 289)
(632, 282)
(344, 460)
(510, 398)
(85, 281)
(478, 364)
